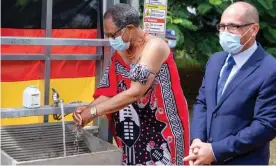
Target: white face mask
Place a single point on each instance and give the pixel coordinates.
(231, 43)
(172, 43)
(118, 43)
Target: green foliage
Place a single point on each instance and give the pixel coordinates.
(178, 21)
(267, 4)
(185, 23)
(24, 2)
(215, 2)
(204, 8)
(272, 32)
(271, 51)
(197, 34)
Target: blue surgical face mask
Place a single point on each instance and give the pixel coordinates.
(118, 43)
(231, 42)
(172, 43)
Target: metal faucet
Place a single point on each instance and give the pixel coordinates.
(56, 100)
(55, 97)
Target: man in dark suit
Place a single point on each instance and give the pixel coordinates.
(234, 117)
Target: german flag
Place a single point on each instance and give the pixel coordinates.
(73, 79)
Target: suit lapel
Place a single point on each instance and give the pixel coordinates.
(252, 63)
(215, 76)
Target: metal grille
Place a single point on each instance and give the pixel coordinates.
(25, 143)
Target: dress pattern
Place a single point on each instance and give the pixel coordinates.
(155, 129)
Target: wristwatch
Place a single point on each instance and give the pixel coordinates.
(93, 111)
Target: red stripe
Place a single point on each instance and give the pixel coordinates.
(74, 33)
(21, 70)
(17, 49)
(73, 69)
(12, 71)
(33, 70)
(154, 20)
(62, 33)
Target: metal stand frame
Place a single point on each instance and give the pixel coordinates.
(102, 56)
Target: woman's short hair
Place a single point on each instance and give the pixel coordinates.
(123, 14)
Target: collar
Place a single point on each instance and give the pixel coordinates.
(242, 57)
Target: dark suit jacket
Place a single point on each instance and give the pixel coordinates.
(243, 122)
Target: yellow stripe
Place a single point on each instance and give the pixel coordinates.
(12, 97)
(76, 89)
(159, 7)
(69, 89)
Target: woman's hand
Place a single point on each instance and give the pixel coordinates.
(86, 116)
(78, 118)
(77, 114)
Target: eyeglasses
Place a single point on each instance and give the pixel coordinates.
(231, 27)
(112, 35)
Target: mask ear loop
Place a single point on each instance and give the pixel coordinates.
(245, 34)
(130, 36)
(123, 33)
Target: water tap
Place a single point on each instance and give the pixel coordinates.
(55, 98)
(56, 102)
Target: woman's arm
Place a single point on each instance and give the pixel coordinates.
(153, 56)
(123, 99)
(99, 100)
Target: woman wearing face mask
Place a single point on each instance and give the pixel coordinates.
(141, 94)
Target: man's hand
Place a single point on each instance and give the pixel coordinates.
(193, 151)
(204, 155)
(196, 149)
(77, 114)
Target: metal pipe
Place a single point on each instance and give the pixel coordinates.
(42, 41)
(96, 57)
(22, 57)
(48, 28)
(43, 110)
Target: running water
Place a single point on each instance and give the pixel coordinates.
(77, 130)
(63, 127)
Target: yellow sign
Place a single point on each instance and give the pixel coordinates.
(159, 7)
(154, 16)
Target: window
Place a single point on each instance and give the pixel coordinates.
(70, 14)
(77, 14)
(21, 14)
